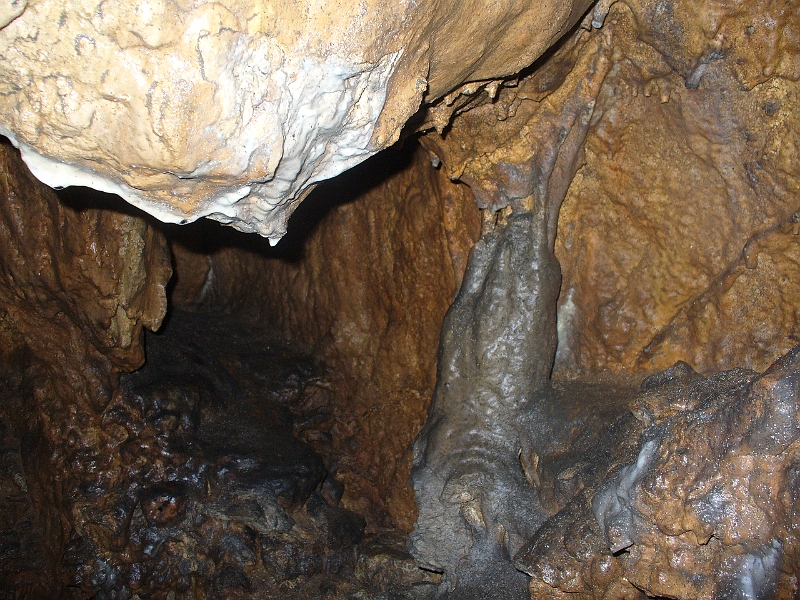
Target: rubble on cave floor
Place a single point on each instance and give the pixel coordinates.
(210, 494)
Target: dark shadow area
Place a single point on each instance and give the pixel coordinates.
(206, 236)
(80, 198)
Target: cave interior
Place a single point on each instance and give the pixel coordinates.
(543, 346)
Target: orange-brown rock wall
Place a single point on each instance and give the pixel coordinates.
(694, 189)
(77, 285)
(677, 238)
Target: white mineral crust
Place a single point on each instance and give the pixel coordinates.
(235, 109)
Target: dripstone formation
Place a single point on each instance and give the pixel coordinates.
(591, 211)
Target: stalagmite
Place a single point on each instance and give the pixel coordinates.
(476, 505)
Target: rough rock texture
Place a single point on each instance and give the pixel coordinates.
(505, 148)
(496, 355)
(703, 505)
(214, 497)
(685, 207)
(643, 274)
(497, 348)
(207, 493)
(367, 290)
(232, 109)
(76, 287)
(677, 239)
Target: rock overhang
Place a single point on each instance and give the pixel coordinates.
(234, 111)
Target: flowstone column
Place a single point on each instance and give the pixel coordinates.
(497, 349)
(476, 503)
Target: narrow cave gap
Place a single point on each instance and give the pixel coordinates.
(235, 419)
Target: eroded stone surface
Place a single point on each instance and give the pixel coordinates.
(677, 240)
(702, 505)
(233, 110)
(501, 147)
(205, 492)
(77, 285)
(496, 353)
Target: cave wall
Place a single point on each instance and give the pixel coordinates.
(691, 174)
(77, 285)
(677, 238)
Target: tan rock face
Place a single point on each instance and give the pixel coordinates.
(78, 271)
(682, 218)
(234, 110)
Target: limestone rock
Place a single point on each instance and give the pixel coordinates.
(76, 279)
(703, 505)
(235, 110)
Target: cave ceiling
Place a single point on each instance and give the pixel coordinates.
(235, 110)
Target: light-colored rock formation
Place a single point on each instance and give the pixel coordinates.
(234, 110)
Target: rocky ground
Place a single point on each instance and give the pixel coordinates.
(211, 494)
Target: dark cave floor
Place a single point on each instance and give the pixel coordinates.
(212, 495)
(210, 492)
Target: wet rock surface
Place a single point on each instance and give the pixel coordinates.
(678, 223)
(496, 353)
(78, 284)
(699, 499)
(683, 486)
(677, 239)
(646, 280)
(209, 494)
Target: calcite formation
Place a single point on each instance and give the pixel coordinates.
(686, 200)
(235, 110)
(508, 148)
(496, 355)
